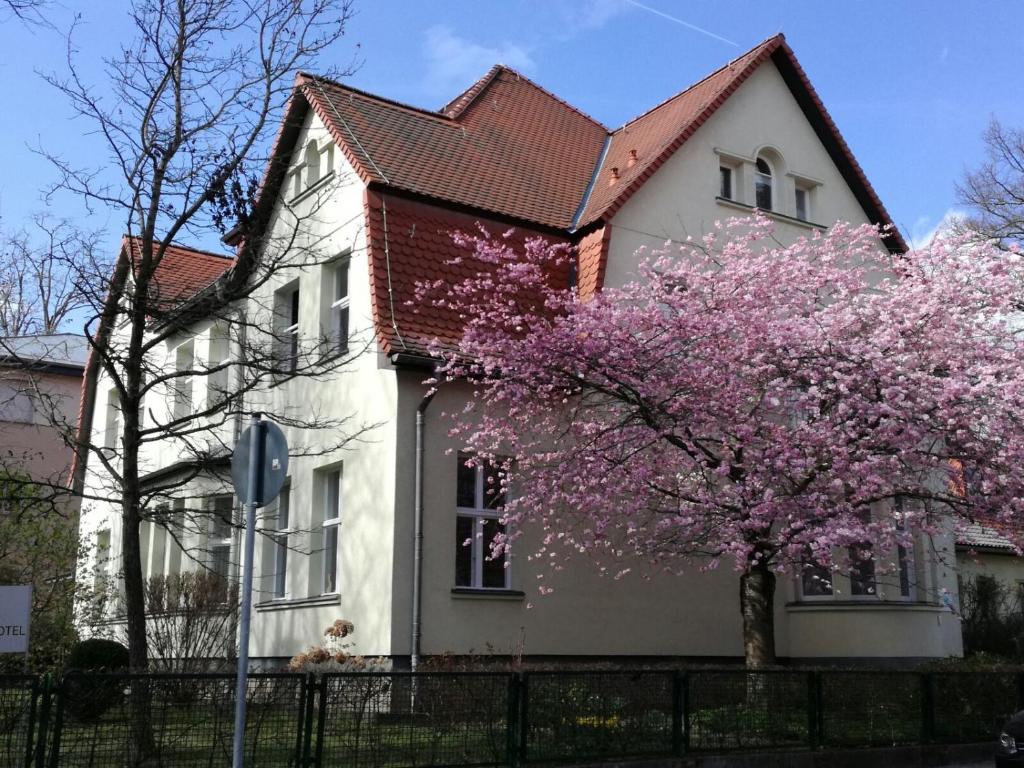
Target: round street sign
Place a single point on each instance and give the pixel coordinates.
(271, 467)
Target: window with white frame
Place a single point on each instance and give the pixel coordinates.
(181, 384)
(222, 515)
(220, 352)
(281, 523)
(286, 328)
(112, 421)
(862, 570)
(312, 158)
(815, 578)
(101, 571)
(175, 537)
(725, 182)
(16, 403)
(336, 309)
(330, 516)
(480, 501)
(763, 183)
(801, 203)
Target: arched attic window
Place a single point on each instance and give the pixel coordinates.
(312, 163)
(763, 184)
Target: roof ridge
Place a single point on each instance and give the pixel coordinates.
(491, 76)
(378, 98)
(776, 39)
(196, 251)
(469, 95)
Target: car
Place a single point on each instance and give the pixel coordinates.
(1010, 748)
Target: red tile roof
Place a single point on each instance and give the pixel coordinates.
(182, 271)
(415, 245)
(506, 146)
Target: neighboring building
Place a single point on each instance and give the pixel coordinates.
(392, 181)
(40, 390)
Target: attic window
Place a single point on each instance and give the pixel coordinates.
(763, 185)
(312, 164)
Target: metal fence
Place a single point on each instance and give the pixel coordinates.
(398, 719)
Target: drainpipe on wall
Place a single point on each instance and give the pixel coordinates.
(417, 557)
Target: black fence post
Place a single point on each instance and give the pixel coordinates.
(54, 743)
(524, 718)
(321, 718)
(678, 712)
(813, 709)
(307, 713)
(927, 707)
(30, 739)
(513, 721)
(1020, 691)
(687, 720)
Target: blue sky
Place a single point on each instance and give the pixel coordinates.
(910, 84)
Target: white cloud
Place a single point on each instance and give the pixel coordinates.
(925, 229)
(453, 62)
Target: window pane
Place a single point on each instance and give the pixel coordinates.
(332, 496)
(331, 559)
(493, 568)
(725, 188)
(494, 495)
(283, 504)
(280, 565)
(464, 551)
(763, 187)
(339, 328)
(466, 491)
(341, 281)
(801, 204)
(815, 580)
(904, 559)
(222, 517)
(862, 570)
(294, 310)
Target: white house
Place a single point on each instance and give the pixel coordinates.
(390, 182)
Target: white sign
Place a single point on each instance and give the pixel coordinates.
(15, 607)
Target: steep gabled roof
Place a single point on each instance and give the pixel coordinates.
(506, 146)
(182, 273)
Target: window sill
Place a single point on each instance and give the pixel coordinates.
(867, 604)
(728, 203)
(285, 604)
(470, 593)
(309, 191)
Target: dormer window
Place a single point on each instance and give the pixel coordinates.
(312, 164)
(763, 183)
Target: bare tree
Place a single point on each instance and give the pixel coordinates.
(994, 192)
(38, 288)
(27, 11)
(193, 104)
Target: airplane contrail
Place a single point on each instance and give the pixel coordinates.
(686, 24)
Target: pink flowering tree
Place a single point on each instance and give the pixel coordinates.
(742, 402)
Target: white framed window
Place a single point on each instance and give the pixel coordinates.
(862, 571)
(801, 202)
(184, 365)
(112, 421)
(725, 182)
(175, 537)
(312, 158)
(217, 382)
(101, 571)
(815, 579)
(330, 496)
(16, 402)
(280, 538)
(480, 501)
(763, 184)
(222, 516)
(286, 321)
(336, 299)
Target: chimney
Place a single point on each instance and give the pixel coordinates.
(632, 158)
(614, 178)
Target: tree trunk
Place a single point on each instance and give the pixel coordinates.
(757, 604)
(135, 614)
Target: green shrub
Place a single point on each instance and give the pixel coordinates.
(88, 696)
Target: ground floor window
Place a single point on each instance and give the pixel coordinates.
(480, 499)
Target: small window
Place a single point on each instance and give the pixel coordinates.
(801, 204)
(312, 158)
(16, 402)
(112, 425)
(101, 572)
(184, 366)
(175, 537)
(725, 182)
(862, 571)
(763, 185)
(222, 513)
(331, 494)
(217, 391)
(282, 529)
(286, 318)
(480, 498)
(336, 297)
(815, 578)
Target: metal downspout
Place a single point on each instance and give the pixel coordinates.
(417, 556)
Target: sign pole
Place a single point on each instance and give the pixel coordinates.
(252, 499)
